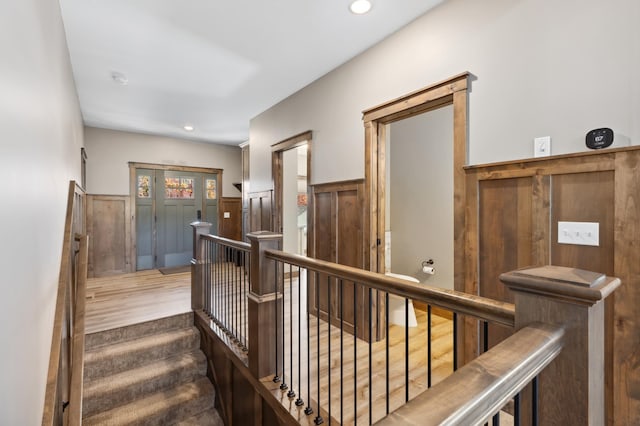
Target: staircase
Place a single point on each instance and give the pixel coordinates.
(151, 373)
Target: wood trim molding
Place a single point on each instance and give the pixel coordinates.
(277, 151)
(173, 167)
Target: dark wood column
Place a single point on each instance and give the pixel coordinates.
(572, 387)
(263, 305)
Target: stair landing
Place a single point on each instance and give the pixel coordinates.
(126, 299)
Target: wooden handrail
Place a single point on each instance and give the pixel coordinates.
(462, 303)
(240, 245)
(478, 390)
(77, 360)
(53, 404)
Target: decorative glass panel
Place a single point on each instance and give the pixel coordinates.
(181, 187)
(144, 186)
(211, 189)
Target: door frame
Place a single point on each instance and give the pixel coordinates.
(452, 91)
(133, 190)
(277, 151)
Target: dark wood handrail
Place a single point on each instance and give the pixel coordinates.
(227, 242)
(481, 388)
(462, 303)
(52, 410)
(77, 360)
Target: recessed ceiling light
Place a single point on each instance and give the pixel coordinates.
(119, 78)
(360, 7)
(188, 127)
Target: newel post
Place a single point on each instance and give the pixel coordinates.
(197, 289)
(571, 388)
(263, 305)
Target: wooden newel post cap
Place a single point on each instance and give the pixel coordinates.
(197, 224)
(569, 284)
(264, 235)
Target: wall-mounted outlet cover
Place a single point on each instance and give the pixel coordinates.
(542, 146)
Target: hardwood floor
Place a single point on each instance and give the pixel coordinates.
(120, 300)
(127, 299)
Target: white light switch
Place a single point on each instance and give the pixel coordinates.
(580, 233)
(227, 215)
(542, 146)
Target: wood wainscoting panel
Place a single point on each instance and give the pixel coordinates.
(505, 239)
(337, 235)
(601, 186)
(109, 230)
(231, 226)
(261, 211)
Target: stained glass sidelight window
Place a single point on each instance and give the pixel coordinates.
(178, 187)
(211, 189)
(144, 186)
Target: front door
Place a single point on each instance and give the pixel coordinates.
(167, 202)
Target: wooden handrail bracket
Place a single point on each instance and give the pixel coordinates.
(481, 388)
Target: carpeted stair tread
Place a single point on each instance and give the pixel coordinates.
(113, 359)
(136, 331)
(206, 418)
(162, 408)
(105, 393)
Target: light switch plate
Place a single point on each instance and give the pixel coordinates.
(227, 215)
(542, 146)
(580, 233)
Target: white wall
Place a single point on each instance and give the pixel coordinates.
(421, 195)
(541, 67)
(110, 151)
(41, 136)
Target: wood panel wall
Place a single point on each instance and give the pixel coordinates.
(260, 211)
(230, 227)
(109, 230)
(336, 233)
(512, 216)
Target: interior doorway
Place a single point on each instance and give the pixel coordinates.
(419, 197)
(166, 201)
(291, 174)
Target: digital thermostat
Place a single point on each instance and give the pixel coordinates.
(599, 138)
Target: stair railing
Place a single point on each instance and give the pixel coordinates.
(298, 340)
(63, 394)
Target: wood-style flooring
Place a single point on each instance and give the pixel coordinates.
(121, 300)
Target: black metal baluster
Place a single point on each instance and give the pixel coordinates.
(455, 341)
(341, 351)
(428, 346)
(406, 349)
(291, 393)
(485, 336)
(283, 385)
(534, 401)
(370, 354)
(299, 401)
(236, 292)
(318, 420)
(329, 345)
(496, 419)
(308, 410)
(276, 378)
(386, 349)
(516, 410)
(355, 356)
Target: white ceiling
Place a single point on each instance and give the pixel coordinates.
(212, 63)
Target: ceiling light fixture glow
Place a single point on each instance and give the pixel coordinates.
(119, 78)
(188, 127)
(360, 7)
